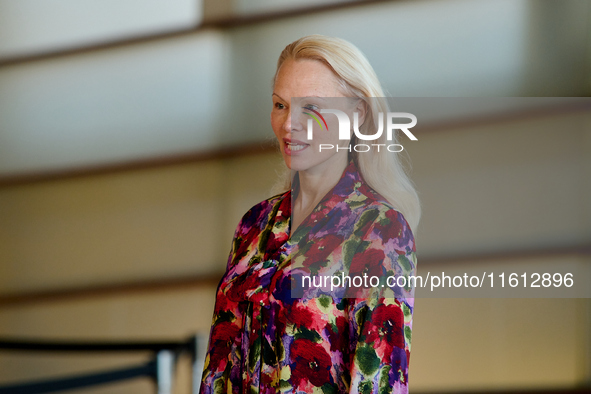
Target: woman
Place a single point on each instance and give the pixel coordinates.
(342, 215)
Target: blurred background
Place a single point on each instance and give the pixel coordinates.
(135, 133)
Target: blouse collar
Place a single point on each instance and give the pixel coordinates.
(348, 184)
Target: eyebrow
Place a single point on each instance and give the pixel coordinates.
(319, 97)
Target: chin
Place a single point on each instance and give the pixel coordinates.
(297, 164)
(294, 165)
(286, 160)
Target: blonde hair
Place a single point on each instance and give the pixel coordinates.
(358, 79)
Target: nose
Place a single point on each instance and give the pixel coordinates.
(287, 123)
(293, 122)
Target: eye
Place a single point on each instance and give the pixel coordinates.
(311, 107)
(278, 105)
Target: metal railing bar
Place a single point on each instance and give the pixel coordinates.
(68, 383)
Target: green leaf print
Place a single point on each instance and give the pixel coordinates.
(368, 360)
(218, 386)
(365, 387)
(385, 387)
(405, 264)
(366, 217)
(308, 334)
(269, 356)
(328, 388)
(325, 301)
(349, 248)
(225, 316)
(407, 334)
(254, 354)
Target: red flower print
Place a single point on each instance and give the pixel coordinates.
(222, 338)
(303, 316)
(392, 229)
(249, 286)
(385, 330)
(321, 248)
(300, 317)
(223, 303)
(369, 262)
(274, 242)
(339, 337)
(312, 363)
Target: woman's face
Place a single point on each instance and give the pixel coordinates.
(301, 86)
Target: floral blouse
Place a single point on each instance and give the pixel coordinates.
(265, 339)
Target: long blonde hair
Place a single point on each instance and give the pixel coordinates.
(383, 171)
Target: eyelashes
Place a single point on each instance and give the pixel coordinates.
(314, 107)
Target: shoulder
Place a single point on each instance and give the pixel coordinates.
(259, 214)
(255, 222)
(366, 200)
(383, 220)
(268, 205)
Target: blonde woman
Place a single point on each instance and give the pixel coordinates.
(343, 212)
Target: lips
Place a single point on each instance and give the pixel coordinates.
(294, 146)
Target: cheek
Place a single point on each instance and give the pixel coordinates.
(333, 127)
(276, 124)
(331, 135)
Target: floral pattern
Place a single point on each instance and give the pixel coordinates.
(266, 340)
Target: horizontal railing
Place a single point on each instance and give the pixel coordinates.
(160, 368)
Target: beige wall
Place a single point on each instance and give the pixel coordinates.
(520, 184)
(211, 88)
(157, 223)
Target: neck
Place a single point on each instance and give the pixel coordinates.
(314, 185)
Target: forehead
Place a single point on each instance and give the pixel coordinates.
(304, 78)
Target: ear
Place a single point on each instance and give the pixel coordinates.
(361, 108)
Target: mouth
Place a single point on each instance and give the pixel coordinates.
(292, 146)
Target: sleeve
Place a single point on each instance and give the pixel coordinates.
(382, 320)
